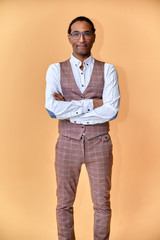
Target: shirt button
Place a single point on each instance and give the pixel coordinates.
(82, 85)
(88, 110)
(74, 121)
(81, 73)
(87, 122)
(76, 112)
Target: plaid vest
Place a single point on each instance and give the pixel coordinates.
(71, 92)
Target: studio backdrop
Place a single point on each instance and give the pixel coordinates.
(33, 36)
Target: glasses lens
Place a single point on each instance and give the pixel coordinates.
(86, 35)
(75, 35)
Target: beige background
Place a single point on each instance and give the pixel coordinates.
(34, 35)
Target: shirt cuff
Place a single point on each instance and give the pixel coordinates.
(88, 105)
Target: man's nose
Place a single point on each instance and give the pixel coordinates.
(81, 39)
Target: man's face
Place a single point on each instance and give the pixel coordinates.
(82, 46)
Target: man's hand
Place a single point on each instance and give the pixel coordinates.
(97, 103)
(58, 96)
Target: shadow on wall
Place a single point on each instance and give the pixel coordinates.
(116, 125)
(99, 39)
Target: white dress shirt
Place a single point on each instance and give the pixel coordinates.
(82, 111)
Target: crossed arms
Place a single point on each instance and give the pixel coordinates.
(96, 102)
(82, 111)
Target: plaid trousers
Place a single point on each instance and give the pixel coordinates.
(96, 154)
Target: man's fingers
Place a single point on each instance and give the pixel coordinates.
(61, 96)
(58, 96)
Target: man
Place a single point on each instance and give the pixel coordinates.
(83, 94)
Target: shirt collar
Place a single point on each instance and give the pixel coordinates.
(76, 62)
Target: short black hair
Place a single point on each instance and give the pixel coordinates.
(81, 18)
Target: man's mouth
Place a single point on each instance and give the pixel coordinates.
(82, 46)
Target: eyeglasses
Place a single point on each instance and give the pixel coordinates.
(86, 35)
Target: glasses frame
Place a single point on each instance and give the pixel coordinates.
(81, 33)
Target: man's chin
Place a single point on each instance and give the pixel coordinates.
(83, 53)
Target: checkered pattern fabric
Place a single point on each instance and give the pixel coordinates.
(96, 154)
(71, 92)
(74, 149)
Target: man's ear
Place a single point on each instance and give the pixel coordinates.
(69, 38)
